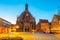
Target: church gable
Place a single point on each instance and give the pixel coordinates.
(26, 21)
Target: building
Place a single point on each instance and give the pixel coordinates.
(38, 27)
(13, 28)
(55, 24)
(3, 30)
(26, 21)
(43, 26)
(4, 23)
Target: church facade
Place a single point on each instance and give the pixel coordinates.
(26, 21)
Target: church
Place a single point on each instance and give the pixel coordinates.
(26, 21)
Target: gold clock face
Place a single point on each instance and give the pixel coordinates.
(26, 14)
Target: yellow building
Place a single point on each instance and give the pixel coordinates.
(13, 28)
(55, 24)
(43, 26)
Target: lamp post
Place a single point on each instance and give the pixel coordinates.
(33, 33)
(17, 28)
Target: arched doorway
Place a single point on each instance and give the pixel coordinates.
(26, 29)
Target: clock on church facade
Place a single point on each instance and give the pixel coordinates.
(26, 21)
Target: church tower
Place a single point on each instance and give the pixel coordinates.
(26, 21)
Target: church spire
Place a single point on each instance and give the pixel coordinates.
(26, 6)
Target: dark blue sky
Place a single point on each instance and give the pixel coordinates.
(40, 9)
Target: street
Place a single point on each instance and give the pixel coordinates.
(30, 36)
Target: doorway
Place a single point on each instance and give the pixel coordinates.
(26, 29)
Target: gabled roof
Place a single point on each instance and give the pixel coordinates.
(25, 12)
(5, 21)
(44, 21)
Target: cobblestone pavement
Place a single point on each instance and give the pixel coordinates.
(30, 36)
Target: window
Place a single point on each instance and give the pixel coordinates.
(27, 30)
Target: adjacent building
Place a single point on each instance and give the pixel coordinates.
(55, 24)
(13, 28)
(38, 27)
(43, 26)
(3, 30)
(4, 23)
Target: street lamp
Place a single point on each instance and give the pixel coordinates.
(17, 26)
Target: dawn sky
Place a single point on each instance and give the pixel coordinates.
(40, 9)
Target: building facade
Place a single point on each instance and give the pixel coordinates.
(3, 30)
(55, 24)
(4, 24)
(13, 28)
(43, 26)
(26, 21)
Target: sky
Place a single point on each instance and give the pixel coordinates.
(40, 9)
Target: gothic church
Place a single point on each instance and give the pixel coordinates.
(26, 21)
